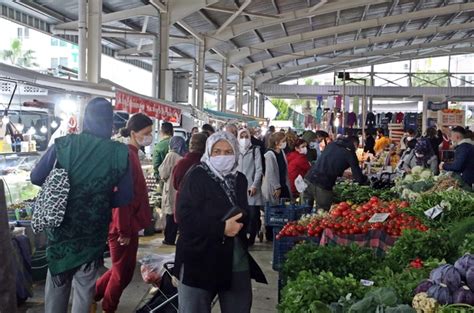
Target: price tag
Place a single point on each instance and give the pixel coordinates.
(366, 283)
(434, 211)
(379, 217)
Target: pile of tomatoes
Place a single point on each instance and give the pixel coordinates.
(347, 219)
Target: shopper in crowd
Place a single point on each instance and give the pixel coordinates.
(382, 142)
(271, 130)
(258, 143)
(335, 159)
(298, 164)
(291, 139)
(176, 152)
(250, 164)
(162, 148)
(409, 135)
(197, 146)
(127, 220)
(324, 139)
(463, 163)
(194, 130)
(435, 140)
(211, 254)
(208, 129)
(369, 143)
(313, 145)
(422, 155)
(232, 128)
(408, 154)
(276, 184)
(75, 249)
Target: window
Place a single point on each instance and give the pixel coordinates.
(54, 42)
(74, 57)
(62, 43)
(26, 33)
(19, 34)
(63, 61)
(54, 62)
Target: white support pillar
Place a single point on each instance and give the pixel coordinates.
(94, 40)
(240, 92)
(194, 84)
(164, 46)
(262, 106)
(252, 99)
(155, 68)
(82, 26)
(201, 72)
(224, 86)
(219, 93)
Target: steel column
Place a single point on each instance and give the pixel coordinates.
(240, 91)
(94, 40)
(201, 69)
(155, 70)
(194, 83)
(252, 99)
(219, 93)
(82, 40)
(224, 86)
(164, 47)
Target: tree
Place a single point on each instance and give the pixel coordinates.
(283, 109)
(17, 56)
(430, 79)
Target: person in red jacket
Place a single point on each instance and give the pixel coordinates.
(127, 221)
(298, 164)
(197, 145)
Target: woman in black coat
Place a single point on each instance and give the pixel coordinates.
(212, 250)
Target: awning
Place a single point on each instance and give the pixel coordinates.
(252, 122)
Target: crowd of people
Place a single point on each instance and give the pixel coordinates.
(214, 187)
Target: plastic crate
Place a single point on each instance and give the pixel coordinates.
(279, 215)
(283, 245)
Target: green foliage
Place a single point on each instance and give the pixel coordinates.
(430, 79)
(360, 194)
(340, 260)
(308, 291)
(283, 109)
(380, 300)
(16, 56)
(467, 245)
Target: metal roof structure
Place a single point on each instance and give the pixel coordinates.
(266, 41)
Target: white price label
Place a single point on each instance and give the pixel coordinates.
(379, 217)
(434, 211)
(366, 283)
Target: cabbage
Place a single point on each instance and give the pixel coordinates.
(447, 275)
(417, 170)
(464, 264)
(426, 174)
(441, 293)
(464, 295)
(424, 286)
(470, 278)
(408, 179)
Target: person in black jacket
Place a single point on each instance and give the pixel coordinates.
(212, 249)
(335, 159)
(369, 143)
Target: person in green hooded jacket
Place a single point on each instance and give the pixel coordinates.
(162, 147)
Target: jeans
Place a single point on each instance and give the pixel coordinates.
(238, 299)
(323, 198)
(83, 283)
(110, 286)
(255, 223)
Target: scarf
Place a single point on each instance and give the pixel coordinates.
(211, 141)
(178, 145)
(250, 141)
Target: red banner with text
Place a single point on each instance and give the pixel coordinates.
(153, 108)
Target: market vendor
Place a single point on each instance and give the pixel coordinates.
(463, 163)
(335, 159)
(381, 142)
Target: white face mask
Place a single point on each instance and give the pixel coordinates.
(223, 163)
(244, 143)
(409, 138)
(418, 155)
(304, 150)
(146, 141)
(283, 145)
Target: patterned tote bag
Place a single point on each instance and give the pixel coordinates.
(50, 205)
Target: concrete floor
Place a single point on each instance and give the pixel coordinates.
(264, 296)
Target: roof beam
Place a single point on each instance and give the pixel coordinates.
(242, 28)
(233, 16)
(247, 13)
(238, 54)
(285, 71)
(146, 10)
(317, 6)
(362, 18)
(256, 66)
(405, 24)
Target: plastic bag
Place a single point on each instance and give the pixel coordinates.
(152, 268)
(300, 184)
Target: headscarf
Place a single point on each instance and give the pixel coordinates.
(178, 145)
(309, 136)
(98, 118)
(423, 146)
(211, 141)
(245, 130)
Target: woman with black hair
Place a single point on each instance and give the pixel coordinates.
(127, 220)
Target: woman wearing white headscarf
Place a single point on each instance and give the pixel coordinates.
(212, 250)
(250, 164)
(177, 149)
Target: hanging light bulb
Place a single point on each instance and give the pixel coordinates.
(54, 124)
(43, 129)
(5, 119)
(31, 131)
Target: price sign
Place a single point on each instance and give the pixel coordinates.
(379, 217)
(434, 211)
(366, 283)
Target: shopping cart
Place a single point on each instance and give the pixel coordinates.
(164, 295)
